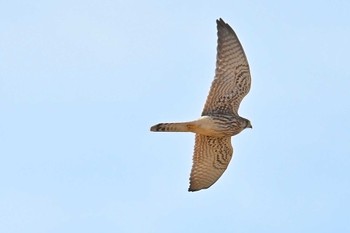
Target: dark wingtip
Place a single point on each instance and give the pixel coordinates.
(192, 189)
(220, 20)
(221, 23)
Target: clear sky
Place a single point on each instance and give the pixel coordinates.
(81, 82)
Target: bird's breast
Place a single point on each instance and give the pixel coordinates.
(216, 126)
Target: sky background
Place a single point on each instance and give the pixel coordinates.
(81, 82)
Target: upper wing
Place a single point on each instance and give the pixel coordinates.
(211, 158)
(232, 76)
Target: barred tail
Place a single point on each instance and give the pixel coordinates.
(171, 127)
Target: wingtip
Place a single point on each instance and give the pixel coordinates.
(221, 23)
(191, 189)
(220, 20)
(195, 188)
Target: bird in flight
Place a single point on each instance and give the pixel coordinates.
(219, 120)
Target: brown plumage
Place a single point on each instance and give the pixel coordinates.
(220, 120)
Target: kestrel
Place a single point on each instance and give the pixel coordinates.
(219, 120)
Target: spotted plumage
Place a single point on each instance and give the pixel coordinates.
(220, 120)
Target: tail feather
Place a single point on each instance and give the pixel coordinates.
(171, 127)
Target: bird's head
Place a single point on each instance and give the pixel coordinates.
(249, 125)
(246, 123)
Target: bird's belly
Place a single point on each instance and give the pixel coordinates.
(211, 126)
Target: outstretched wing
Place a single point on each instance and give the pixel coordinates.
(211, 158)
(232, 76)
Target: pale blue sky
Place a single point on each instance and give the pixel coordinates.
(81, 82)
